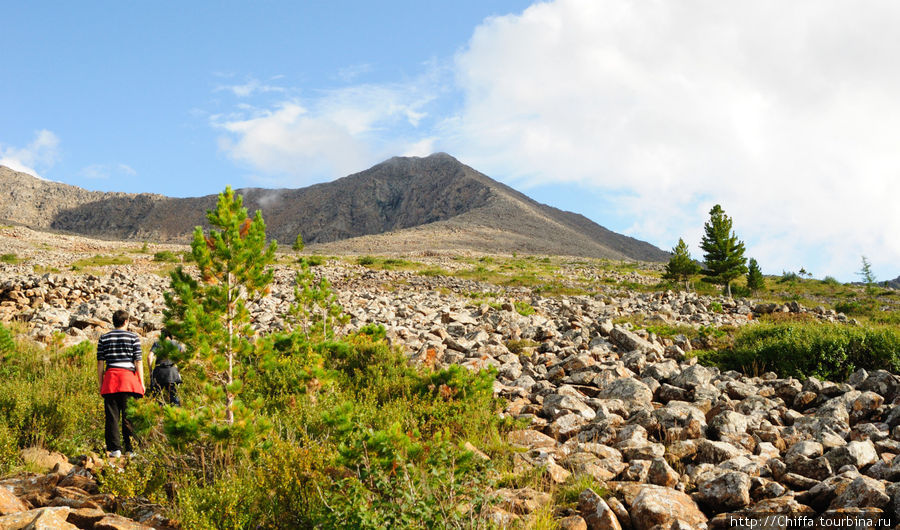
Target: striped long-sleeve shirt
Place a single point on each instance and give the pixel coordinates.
(120, 349)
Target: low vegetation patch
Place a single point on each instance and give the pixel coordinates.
(100, 261)
(314, 260)
(802, 349)
(11, 259)
(166, 256)
(47, 399)
(523, 308)
(433, 271)
(519, 346)
(388, 264)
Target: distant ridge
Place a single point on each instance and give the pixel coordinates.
(402, 204)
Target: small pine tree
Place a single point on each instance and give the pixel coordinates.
(298, 243)
(315, 308)
(868, 277)
(210, 317)
(755, 280)
(724, 253)
(681, 266)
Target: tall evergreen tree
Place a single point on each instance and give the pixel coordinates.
(211, 318)
(681, 266)
(755, 280)
(723, 252)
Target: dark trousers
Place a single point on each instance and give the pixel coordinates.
(114, 406)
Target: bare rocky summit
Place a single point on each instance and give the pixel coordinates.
(404, 204)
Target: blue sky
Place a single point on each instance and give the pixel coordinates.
(640, 116)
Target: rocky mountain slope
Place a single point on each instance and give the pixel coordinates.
(675, 444)
(402, 204)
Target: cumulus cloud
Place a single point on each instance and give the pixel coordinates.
(329, 134)
(783, 112)
(40, 154)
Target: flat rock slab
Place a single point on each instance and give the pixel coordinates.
(42, 460)
(9, 503)
(655, 505)
(530, 439)
(38, 519)
(117, 522)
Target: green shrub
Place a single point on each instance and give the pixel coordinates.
(230, 503)
(524, 308)
(12, 259)
(315, 261)
(568, 493)
(862, 307)
(788, 277)
(100, 261)
(51, 401)
(393, 263)
(9, 450)
(831, 280)
(166, 256)
(365, 261)
(7, 344)
(403, 481)
(740, 291)
(891, 318)
(433, 271)
(144, 478)
(827, 351)
(715, 307)
(291, 476)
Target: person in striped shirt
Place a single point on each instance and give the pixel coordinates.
(120, 374)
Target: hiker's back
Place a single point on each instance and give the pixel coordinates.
(164, 381)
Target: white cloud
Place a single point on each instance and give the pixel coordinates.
(251, 87)
(40, 154)
(329, 135)
(107, 171)
(783, 112)
(423, 147)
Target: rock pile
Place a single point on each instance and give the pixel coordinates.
(677, 443)
(66, 496)
(81, 306)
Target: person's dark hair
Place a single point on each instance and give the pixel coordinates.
(119, 318)
(165, 334)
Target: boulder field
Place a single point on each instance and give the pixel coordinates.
(676, 444)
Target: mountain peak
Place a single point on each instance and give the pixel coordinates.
(410, 204)
(433, 158)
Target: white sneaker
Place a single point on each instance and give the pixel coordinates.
(115, 454)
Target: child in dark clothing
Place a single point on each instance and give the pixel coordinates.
(165, 376)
